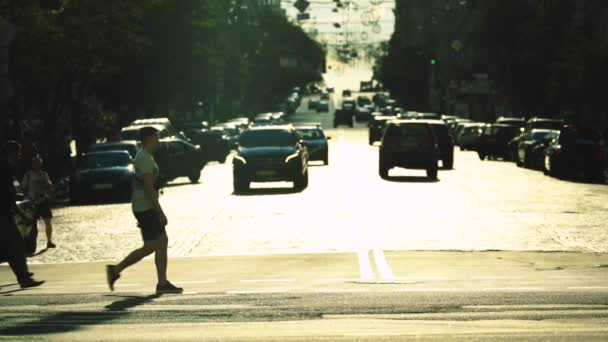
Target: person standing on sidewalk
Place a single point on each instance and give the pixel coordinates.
(149, 214)
(37, 186)
(12, 246)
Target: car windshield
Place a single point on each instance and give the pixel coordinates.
(267, 138)
(538, 136)
(104, 160)
(311, 134)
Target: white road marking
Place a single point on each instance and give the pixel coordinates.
(365, 266)
(336, 280)
(383, 268)
(268, 281)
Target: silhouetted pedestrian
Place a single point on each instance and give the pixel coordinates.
(11, 242)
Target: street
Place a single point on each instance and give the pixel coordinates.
(488, 250)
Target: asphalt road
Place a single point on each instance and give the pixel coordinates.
(489, 251)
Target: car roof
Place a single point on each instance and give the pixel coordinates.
(433, 122)
(503, 125)
(400, 122)
(543, 130)
(545, 119)
(272, 128)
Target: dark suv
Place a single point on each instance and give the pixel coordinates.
(409, 144)
(270, 154)
(376, 126)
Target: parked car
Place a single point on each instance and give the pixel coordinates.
(131, 133)
(518, 122)
(429, 116)
(363, 114)
(536, 153)
(543, 123)
(130, 146)
(571, 156)
(324, 96)
(376, 127)
(528, 140)
(106, 175)
(269, 154)
(469, 134)
(316, 141)
(347, 93)
(409, 144)
(178, 158)
(494, 141)
(445, 142)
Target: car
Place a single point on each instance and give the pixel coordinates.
(376, 127)
(518, 122)
(230, 133)
(409, 144)
(313, 103)
(241, 122)
(152, 122)
(263, 122)
(429, 116)
(379, 99)
(528, 140)
(130, 146)
(347, 93)
(445, 142)
(469, 134)
(363, 101)
(323, 106)
(106, 174)
(570, 155)
(363, 114)
(536, 153)
(131, 133)
(178, 158)
(270, 154)
(316, 141)
(544, 123)
(494, 141)
(324, 96)
(214, 143)
(345, 115)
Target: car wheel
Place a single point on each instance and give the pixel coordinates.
(326, 158)
(462, 148)
(301, 182)
(194, 176)
(481, 156)
(432, 173)
(371, 141)
(75, 199)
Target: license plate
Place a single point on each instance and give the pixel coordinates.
(102, 186)
(267, 173)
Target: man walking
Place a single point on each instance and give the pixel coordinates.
(150, 216)
(11, 243)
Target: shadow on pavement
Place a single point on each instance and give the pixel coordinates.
(10, 292)
(40, 252)
(411, 179)
(62, 322)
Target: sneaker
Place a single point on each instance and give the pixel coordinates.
(31, 283)
(51, 245)
(168, 288)
(111, 276)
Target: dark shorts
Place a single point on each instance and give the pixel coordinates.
(149, 223)
(44, 210)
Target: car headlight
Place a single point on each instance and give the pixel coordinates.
(291, 157)
(239, 158)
